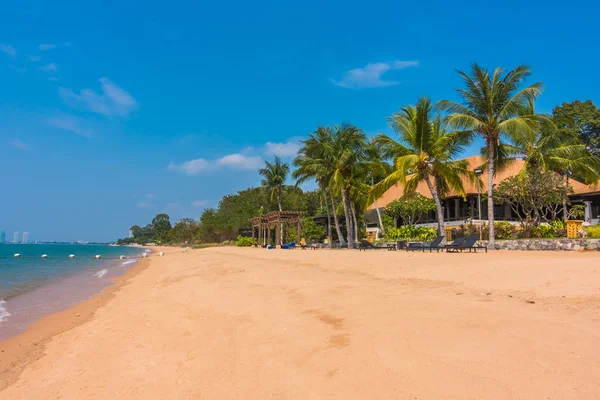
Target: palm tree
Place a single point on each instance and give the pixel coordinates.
(334, 157)
(380, 169)
(545, 148)
(314, 161)
(490, 107)
(427, 150)
(275, 174)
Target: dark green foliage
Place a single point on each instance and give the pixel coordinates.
(580, 119)
(161, 226)
(312, 231)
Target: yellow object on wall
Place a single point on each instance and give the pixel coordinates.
(573, 228)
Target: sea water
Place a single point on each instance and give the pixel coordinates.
(32, 287)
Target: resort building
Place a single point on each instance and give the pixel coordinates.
(458, 210)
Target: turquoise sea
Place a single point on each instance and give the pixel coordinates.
(32, 286)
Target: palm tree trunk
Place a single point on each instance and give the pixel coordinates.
(378, 212)
(336, 221)
(490, 200)
(349, 235)
(354, 221)
(328, 217)
(564, 200)
(438, 204)
(281, 223)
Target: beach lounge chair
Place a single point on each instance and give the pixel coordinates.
(469, 244)
(366, 245)
(289, 246)
(434, 245)
(454, 246)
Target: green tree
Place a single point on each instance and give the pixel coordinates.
(161, 225)
(274, 176)
(546, 148)
(427, 150)
(490, 107)
(580, 119)
(410, 207)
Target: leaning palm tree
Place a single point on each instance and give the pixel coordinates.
(490, 107)
(275, 174)
(428, 151)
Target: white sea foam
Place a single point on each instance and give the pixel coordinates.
(127, 262)
(3, 312)
(101, 273)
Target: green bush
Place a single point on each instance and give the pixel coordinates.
(504, 230)
(243, 241)
(592, 231)
(411, 232)
(543, 231)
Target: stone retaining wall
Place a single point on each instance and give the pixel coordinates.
(547, 244)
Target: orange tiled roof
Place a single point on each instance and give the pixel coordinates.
(396, 191)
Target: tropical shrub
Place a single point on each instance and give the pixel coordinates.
(504, 230)
(388, 222)
(543, 231)
(407, 232)
(592, 231)
(243, 241)
(312, 231)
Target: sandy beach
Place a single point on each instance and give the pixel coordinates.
(241, 323)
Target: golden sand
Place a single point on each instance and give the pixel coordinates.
(231, 323)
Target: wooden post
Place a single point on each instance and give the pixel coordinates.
(298, 231)
(268, 234)
(278, 234)
(253, 235)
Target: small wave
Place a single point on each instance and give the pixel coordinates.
(127, 262)
(101, 273)
(3, 312)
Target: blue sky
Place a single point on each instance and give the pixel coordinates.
(111, 112)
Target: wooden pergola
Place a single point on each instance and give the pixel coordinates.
(277, 219)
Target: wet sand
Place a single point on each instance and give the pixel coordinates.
(226, 323)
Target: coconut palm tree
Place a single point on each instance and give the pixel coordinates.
(380, 169)
(490, 107)
(274, 176)
(334, 156)
(314, 161)
(427, 151)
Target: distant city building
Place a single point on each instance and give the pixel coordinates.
(2, 236)
(17, 237)
(25, 237)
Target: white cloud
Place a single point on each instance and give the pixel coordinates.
(34, 58)
(192, 167)
(288, 149)
(240, 161)
(47, 46)
(11, 51)
(199, 203)
(143, 204)
(52, 67)
(151, 196)
(370, 75)
(70, 123)
(19, 144)
(237, 161)
(114, 100)
(172, 205)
